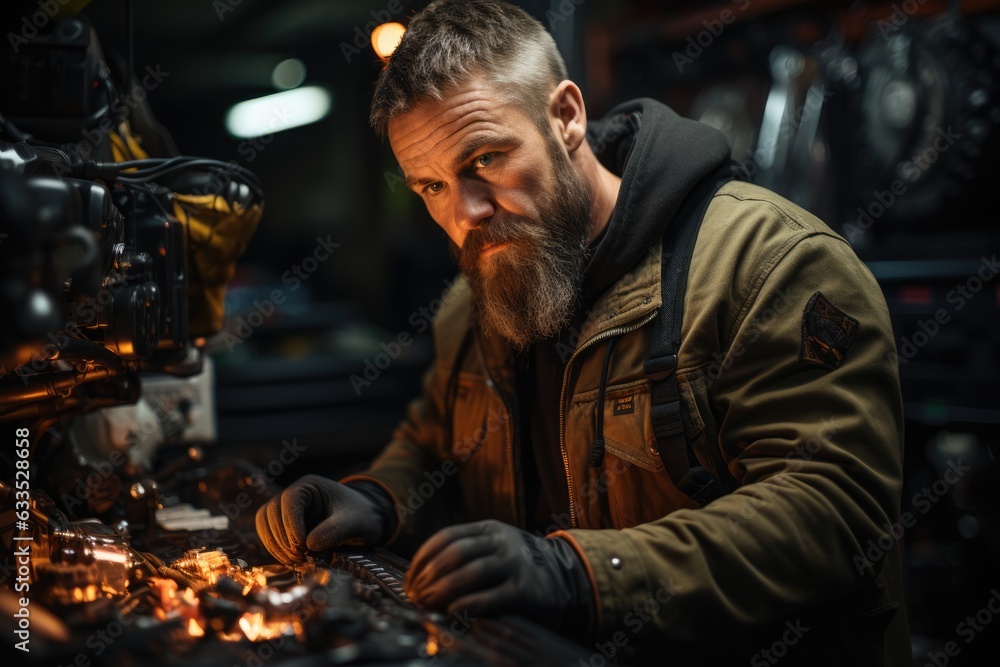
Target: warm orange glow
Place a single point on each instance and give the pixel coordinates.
(206, 565)
(112, 556)
(181, 603)
(167, 589)
(194, 629)
(385, 39)
(253, 626)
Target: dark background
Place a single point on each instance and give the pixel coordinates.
(893, 76)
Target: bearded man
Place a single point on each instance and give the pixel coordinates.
(530, 472)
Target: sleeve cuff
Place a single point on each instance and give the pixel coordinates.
(618, 575)
(362, 479)
(596, 601)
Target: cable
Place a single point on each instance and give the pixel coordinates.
(150, 169)
(135, 178)
(155, 197)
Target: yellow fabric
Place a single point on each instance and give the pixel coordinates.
(125, 145)
(70, 8)
(218, 232)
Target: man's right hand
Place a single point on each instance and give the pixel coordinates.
(317, 514)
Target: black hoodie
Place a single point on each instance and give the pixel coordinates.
(660, 157)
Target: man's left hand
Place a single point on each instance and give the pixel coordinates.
(489, 567)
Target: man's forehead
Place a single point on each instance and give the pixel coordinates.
(438, 124)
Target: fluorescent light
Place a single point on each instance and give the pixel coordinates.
(277, 112)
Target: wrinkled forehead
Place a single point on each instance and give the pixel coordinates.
(438, 125)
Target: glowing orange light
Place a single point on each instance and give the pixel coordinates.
(385, 39)
(251, 624)
(194, 629)
(110, 556)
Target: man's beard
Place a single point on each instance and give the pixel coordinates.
(527, 291)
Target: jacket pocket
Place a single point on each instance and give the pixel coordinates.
(631, 486)
(628, 432)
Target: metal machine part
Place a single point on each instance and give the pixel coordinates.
(204, 605)
(928, 121)
(380, 569)
(171, 410)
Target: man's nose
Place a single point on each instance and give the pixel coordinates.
(473, 206)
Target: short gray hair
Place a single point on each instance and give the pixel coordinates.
(452, 41)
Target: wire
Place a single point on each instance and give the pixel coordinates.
(150, 169)
(153, 167)
(155, 196)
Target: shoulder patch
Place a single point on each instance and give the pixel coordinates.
(827, 332)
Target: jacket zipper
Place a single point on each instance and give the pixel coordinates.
(604, 335)
(508, 429)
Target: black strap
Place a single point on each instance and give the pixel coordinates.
(664, 342)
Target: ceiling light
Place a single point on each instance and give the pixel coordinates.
(278, 112)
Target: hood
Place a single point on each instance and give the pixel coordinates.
(661, 157)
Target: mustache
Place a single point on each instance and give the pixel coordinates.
(501, 228)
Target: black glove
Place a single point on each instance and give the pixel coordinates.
(489, 567)
(317, 514)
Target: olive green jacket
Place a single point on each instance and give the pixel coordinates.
(775, 569)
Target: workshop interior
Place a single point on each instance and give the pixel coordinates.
(213, 280)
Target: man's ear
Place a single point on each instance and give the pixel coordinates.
(568, 115)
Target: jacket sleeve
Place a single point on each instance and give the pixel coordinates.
(417, 455)
(817, 452)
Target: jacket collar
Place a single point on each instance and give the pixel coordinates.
(636, 294)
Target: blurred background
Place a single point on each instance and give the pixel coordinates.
(883, 118)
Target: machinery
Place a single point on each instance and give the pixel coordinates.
(113, 267)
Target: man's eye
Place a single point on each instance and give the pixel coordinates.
(484, 160)
(435, 187)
